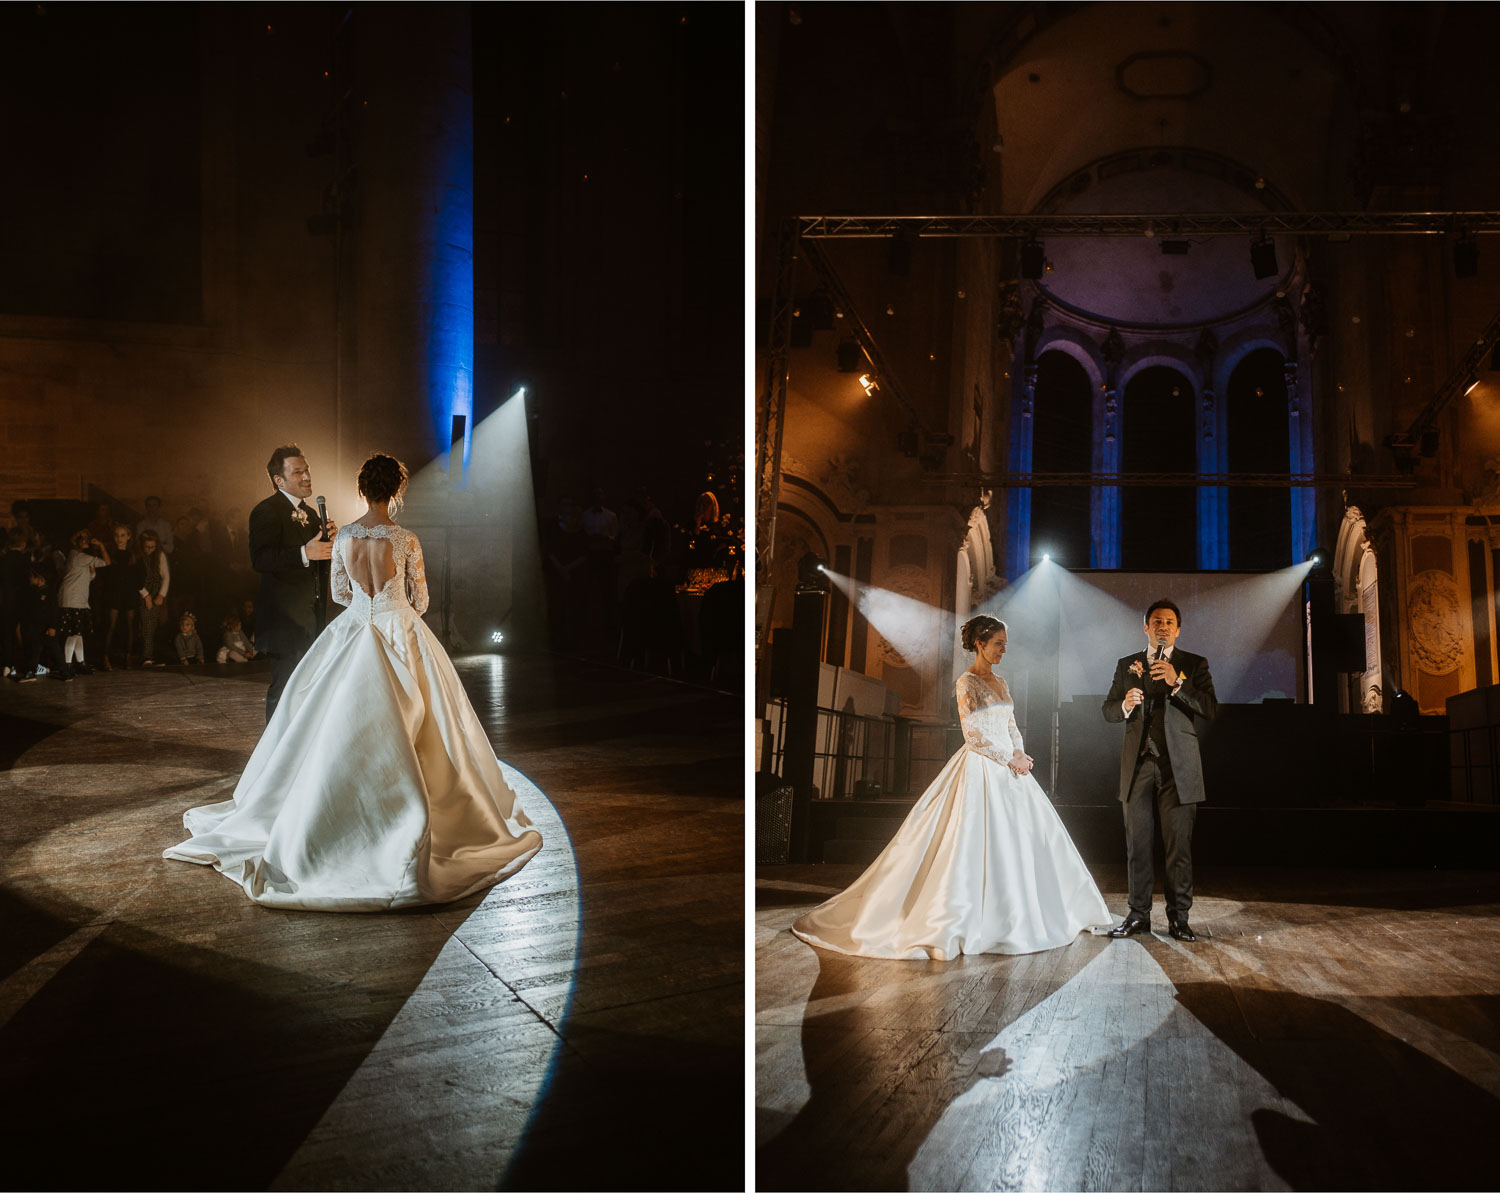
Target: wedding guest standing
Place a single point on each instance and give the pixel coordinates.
(75, 617)
(117, 588)
(156, 582)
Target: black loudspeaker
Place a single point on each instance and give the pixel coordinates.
(898, 255)
(782, 646)
(1347, 641)
(1465, 257)
(802, 328)
(1263, 259)
(1033, 260)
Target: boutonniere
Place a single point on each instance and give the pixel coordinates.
(1136, 669)
(299, 515)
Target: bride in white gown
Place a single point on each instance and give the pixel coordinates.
(374, 785)
(982, 864)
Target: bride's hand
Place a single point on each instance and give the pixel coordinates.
(1020, 763)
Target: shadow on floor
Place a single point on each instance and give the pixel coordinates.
(145, 1063)
(1385, 1115)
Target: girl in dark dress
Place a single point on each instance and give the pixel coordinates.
(118, 587)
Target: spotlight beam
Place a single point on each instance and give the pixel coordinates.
(914, 628)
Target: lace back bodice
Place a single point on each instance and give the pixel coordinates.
(407, 586)
(987, 717)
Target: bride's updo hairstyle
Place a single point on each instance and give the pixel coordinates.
(383, 478)
(981, 629)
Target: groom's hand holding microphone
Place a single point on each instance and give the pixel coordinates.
(322, 546)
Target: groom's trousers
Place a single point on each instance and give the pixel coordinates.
(282, 666)
(1153, 796)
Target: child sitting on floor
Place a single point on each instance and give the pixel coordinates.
(236, 647)
(189, 645)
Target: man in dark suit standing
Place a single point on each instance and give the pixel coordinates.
(1164, 696)
(284, 548)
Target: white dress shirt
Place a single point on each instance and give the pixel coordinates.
(296, 504)
(1151, 658)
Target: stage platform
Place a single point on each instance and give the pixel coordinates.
(1338, 1030)
(580, 1026)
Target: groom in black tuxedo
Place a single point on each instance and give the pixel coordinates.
(1164, 696)
(284, 547)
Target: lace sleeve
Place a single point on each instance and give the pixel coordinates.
(416, 574)
(975, 737)
(1015, 730)
(338, 578)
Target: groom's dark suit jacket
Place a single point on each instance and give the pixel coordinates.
(286, 617)
(1186, 713)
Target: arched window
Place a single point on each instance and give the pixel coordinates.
(1159, 524)
(1260, 519)
(1062, 441)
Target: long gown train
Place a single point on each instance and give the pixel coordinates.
(374, 785)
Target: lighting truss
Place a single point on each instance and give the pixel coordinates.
(1333, 225)
(770, 415)
(1336, 224)
(1455, 385)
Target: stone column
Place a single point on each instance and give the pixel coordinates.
(1104, 502)
(1299, 437)
(1213, 500)
(1022, 430)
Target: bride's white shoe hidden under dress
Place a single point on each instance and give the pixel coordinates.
(374, 785)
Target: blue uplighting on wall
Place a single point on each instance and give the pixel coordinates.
(450, 293)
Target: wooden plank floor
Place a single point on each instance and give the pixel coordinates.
(1340, 1030)
(159, 1030)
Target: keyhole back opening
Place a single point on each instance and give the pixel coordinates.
(371, 563)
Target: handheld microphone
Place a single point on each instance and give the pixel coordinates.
(1161, 643)
(322, 517)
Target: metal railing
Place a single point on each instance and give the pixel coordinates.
(864, 757)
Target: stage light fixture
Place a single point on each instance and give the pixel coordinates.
(497, 637)
(869, 383)
(1033, 260)
(1472, 382)
(1465, 255)
(849, 355)
(1263, 258)
(812, 573)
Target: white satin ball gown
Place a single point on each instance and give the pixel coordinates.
(981, 865)
(374, 785)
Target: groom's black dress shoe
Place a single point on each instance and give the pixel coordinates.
(1180, 930)
(1132, 926)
